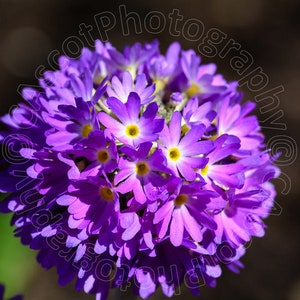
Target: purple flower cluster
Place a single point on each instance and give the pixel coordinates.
(136, 168)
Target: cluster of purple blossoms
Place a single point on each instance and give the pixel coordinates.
(137, 169)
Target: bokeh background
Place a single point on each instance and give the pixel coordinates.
(269, 30)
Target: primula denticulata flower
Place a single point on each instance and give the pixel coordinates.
(136, 167)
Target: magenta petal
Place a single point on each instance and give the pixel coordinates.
(192, 136)
(60, 138)
(127, 219)
(118, 87)
(133, 106)
(139, 193)
(89, 283)
(127, 81)
(132, 230)
(213, 271)
(191, 225)
(186, 171)
(233, 231)
(163, 212)
(122, 175)
(167, 289)
(228, 168)
(245, 127)
(176, 228)
(73, 223)
(118, 108)
(65, 200)
(127, 185)
(147, 286)
(175, 128)
(148, 239)
(72, 242)
(80, 252)
(99, 249)
(164, 225)
(108, 121)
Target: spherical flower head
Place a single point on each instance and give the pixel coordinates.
(136, 167)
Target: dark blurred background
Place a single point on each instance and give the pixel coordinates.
(269, 30)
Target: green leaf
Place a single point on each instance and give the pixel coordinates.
(3, 196)
(17, 262)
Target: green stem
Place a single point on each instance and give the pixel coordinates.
(103, 107)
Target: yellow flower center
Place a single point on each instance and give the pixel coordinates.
(181, 199)
(106, 193)
(132, 131)
(193, 90)
(204, 171)
(98, 79)
(174, 154)
(185, 128)
(214, 137)
(159, 84)
(86, 129)
(142, 168)
(132, 70)
(103, 156)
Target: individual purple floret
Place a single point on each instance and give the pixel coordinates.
(122, 89)
(136, 168)
(185, 154)
(131, 129)
(139, 172)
